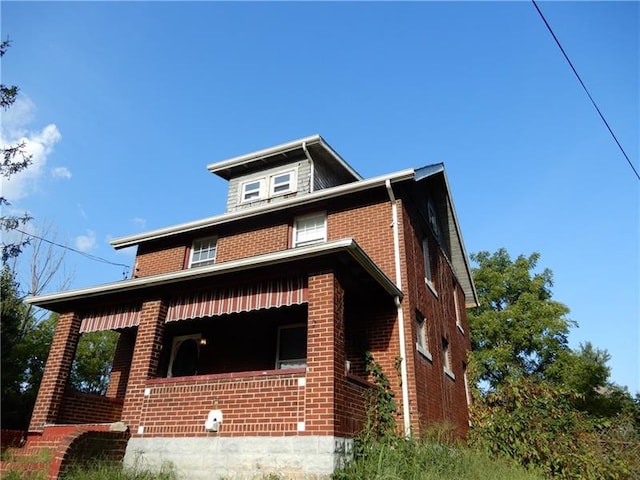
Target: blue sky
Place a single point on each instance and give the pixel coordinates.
(125, 103)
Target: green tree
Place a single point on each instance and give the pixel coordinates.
(518, 329)
(13, 159)
(92, 365)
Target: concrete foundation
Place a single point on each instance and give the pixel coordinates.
(241, 458)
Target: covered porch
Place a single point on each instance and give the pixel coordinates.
(275, 342)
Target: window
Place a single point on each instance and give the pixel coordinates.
(433, 218)
(252, 190)
(310, 229)
(456, 305)
(428, 274)
(282, 183)
(446, 359)
(203, 252)
(185, 352)
(467, 391)
(273, 185)
(422, 337)
(292, 346)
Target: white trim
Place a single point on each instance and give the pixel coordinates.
(203, 263)
(348, 245)
(318, 239)
(325, 193)
(293, 182)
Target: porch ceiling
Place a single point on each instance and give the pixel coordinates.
(344, 255)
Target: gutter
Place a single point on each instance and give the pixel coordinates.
(348, 245)
(404, 375)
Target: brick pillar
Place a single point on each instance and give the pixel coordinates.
(325, 355)
(121, 364)
(145, 360)
(56, 372)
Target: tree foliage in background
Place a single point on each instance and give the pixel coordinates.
(13, 159)
(537, 401)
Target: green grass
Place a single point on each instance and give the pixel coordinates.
(399, 459)
(100, 471)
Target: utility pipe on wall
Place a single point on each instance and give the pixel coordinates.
(312, 179)
(404, 376)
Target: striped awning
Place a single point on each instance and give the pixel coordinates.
(243, 298)
(111, 319)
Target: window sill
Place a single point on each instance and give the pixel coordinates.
(424, 352)
(431, 287)
(449, 374)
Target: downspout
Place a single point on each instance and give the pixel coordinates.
(312, 178)
(404, 376)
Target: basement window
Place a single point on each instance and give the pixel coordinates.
(292, 346)
(203, 252)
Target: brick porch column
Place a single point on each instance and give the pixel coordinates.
(145, 360)
(325, 354)
(121, 364)
(56, 372)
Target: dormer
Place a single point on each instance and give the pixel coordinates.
(289, 170)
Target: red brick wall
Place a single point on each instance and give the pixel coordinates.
(121, 363)
(159, 258)
(79, 407)
(437, 397)
(252, 403)
(252, 242)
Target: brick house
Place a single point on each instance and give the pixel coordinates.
(242, 336)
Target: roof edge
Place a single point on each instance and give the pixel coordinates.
(347, 188)
(283, 256)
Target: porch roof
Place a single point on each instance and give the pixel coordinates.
(345, 248)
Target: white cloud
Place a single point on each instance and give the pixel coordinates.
(61, 172)
(38, 144)
(87, 242)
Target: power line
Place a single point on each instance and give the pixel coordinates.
(586, 90)
(84, 254)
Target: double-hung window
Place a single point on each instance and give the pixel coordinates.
(433, 218)
(428, 271)
(310, 229)
(203, 252)
(292, 346)
(422, 337)
(282, 183)
(446, 359)
(252, 190)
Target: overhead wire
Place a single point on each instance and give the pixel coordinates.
(84, 254)
(585, 89)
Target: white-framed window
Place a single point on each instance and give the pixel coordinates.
(185, 352)
(292, 346)
(456, 305)
(282, 183)
(203, 252)
(422, 336)
(467, 390)
(252, 190)
(310, 229)
(428, 272)
(433, 218)
(446, 359)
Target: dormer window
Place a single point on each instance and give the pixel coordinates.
(282, 183)
(203, 252)
(261, 188)
(252, 190)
